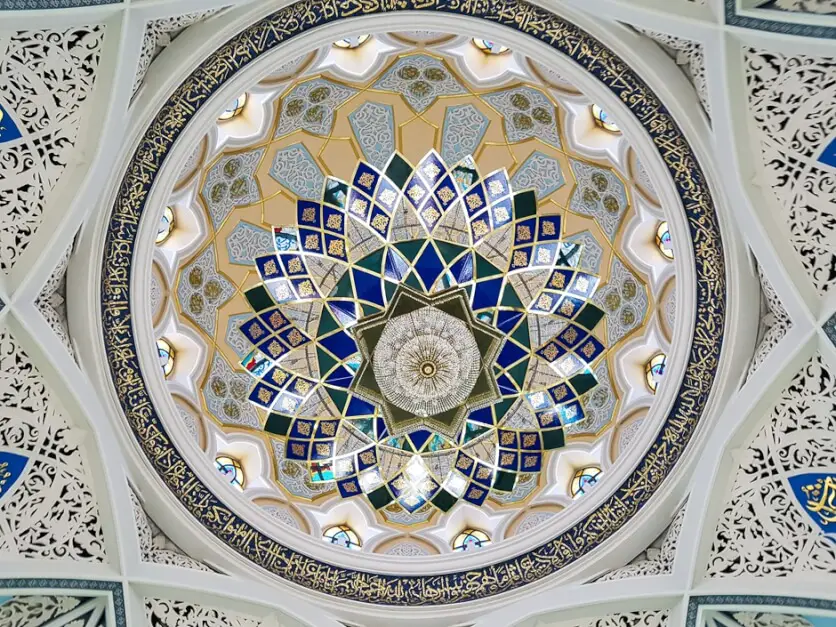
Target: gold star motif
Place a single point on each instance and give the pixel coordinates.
(523, 233)
(380, 222)
(308, 214)
(295, 264)
(474, 201)
(415, 193)
(446, 194)
(335, 221)
(336, 248)
(495, 188)
(480, 228)
(366, 180)
(264, 395)
(294, 338)
(312, 242)
(520, 258)
(270, 268)
(548, 228)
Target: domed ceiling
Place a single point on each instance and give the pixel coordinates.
(411, 286)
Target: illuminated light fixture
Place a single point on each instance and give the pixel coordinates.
(663, 240)
(350, 43)
(234, 109)
(471, 539)
(166, 226)
(583, 479)
(231, 468)
(603, 119)
(490, 47)
(342, 535)
(166, 355)
(654, 370)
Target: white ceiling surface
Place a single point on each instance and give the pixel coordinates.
(757, 210)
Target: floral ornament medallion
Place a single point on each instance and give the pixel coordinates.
(425, 284)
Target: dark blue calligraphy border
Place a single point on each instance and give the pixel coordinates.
(703, 355)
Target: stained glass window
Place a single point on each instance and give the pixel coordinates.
(583, 479)
(471, 539)
(166, 354)
(654, 370)
(235, 108)
(342, 535)
(663, 240)
(603, 119)
(352, 42)
(231, 468)
(166, 225)
(489, 47)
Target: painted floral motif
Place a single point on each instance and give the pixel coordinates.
(202, 290)
(463, 130)
(541, 172)
(295, 168)
(311, 105)
(599, 194)
(527, 113)
(420, 79)
(374, 126)
(231, 183)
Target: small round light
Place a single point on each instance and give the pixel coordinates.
(583, 479)
(471, 539)
(166, 355)
(342, 535)
(166, 225)
(654, 370)
(663, 240)
(231, 468)
(350, 43)
(234, 109)
(490, 47)
(603, 119)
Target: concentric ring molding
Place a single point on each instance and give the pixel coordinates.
(702, 361)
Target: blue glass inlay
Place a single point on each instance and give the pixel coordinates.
(11, 468)
(462, 270)
(486, 293)
(340, 344)
(828, 155)
(505, 385)
(8, 129)
(419, 438)
(429, 266)
(340, 377)
(510, 354)
(505, 320)
(359, 407)
(368, 287)
(484, 415)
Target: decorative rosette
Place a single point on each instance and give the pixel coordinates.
(422, 335)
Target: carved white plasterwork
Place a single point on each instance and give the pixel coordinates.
(689, 56)
(762, 530)
(154, 545)
(792, 106)
(51, 512)
(46, 77)
(805, 6)
(643, 618)
(770, 619)
(52, 302)
(53, 611)
(159, 34)
(167, 613)
(657, 559)
(775, 322)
